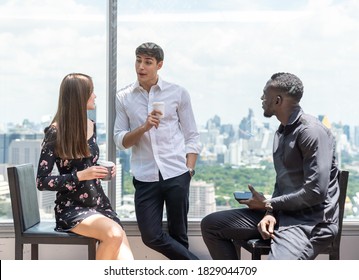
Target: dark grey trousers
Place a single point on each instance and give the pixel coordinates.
(291, 243)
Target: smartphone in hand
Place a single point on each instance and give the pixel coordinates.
(242, 195)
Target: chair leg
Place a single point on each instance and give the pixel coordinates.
(34, 251)
(19, 251)
(334, 256)
(256, 254)
(92, 250)
(238, 251)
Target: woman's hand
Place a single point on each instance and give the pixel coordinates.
(94, 172)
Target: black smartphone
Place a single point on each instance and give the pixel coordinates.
(242, 195)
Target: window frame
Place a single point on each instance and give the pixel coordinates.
(349, 226)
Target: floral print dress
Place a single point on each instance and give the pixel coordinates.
(75, 200)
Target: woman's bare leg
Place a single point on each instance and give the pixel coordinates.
(113, 245)
(125, 250)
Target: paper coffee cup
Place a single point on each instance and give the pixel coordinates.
(159, 106)
(108, 165)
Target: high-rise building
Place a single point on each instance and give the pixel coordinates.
(234, 153)
(346, 131)
(201, 199)
(325, 120)
(5, 140)
(356, 136)
(4, 189)
(247, 126)
(24, 151)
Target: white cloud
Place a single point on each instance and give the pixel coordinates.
(49, 10)
(220, 16)
(40, 42)
(223, 58)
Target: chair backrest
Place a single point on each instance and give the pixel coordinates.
(343, 184)
(259, 247)
(23, 193)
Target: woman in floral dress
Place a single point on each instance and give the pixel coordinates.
(81, 206)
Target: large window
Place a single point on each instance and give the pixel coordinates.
(41, 42)
(223, 52)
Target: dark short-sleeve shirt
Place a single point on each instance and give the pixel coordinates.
(306, 189)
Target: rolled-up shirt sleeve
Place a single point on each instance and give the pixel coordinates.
(188, 125)
(122, 124)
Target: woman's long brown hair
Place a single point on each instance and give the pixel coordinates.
(71, 116)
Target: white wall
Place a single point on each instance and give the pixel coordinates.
(349, 250)
(79, 252)
(349, 245)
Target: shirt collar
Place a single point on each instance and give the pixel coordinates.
(294, 117)
(159, 83)
(136, 84)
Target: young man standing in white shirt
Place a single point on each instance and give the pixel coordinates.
(164, 152)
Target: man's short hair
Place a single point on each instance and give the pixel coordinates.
(288, 83)
(152, 50)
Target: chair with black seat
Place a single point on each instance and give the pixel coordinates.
(29, 229)
(259, 247)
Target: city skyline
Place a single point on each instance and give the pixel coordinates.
(250, 146)
(272, 122)
(248, 127)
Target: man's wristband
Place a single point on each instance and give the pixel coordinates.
(191, 171)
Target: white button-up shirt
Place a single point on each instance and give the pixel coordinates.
(163, 149)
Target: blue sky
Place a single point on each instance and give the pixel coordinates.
(223, 52)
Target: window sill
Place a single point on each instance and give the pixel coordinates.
(350, 228)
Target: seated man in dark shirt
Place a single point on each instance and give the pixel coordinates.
(301, 217)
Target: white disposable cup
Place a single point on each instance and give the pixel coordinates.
(109, 165)
(159, 106)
